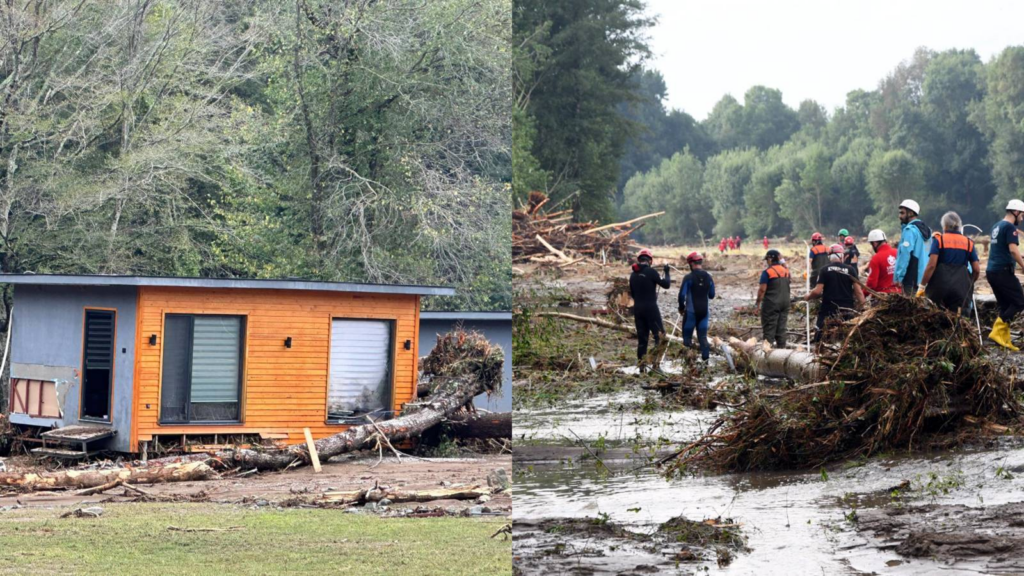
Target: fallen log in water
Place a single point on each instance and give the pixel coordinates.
(179, 472)
(796, 365)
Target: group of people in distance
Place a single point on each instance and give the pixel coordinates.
(730, 243)
(943, 267)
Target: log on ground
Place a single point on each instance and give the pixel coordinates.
(78, 479)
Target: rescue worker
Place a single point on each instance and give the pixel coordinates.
(739, 242)
(732, 243)
(843, 235)
(818, 255)
(852, 254)
(721, 246)
(764, 242)
(952, 267)
(882, 265)
(773, 299)
(911, 256)
(1003, 258)
(643, 287)
(838, 289)
(697, 289)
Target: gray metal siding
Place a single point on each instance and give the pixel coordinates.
(498, 332)
(46, 343)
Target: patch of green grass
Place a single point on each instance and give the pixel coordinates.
(134, 539)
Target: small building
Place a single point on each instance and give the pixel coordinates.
(495, 326)
(132, 360)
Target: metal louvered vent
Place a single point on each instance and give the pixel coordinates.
(99, 340)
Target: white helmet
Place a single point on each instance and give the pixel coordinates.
(1015, 205)
(876, 235)
(911, 205)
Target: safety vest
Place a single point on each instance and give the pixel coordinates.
(953, 242)
(777, 291)
(819, 259)
(819, 249)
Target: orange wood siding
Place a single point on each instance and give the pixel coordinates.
(283, 389)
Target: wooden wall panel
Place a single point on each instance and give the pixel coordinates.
(284, 389)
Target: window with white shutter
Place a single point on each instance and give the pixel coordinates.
(359, 382)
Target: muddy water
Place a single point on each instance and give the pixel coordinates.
(796, 522)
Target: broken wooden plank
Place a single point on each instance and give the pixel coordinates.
(553, 250)
(313, 456)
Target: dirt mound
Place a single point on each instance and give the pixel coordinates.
(461, 353)
(902, 374)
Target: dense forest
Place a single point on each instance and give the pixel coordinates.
(368, 140)
(944, 128)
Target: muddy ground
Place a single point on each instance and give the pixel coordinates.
(303, 486)
(586, 431)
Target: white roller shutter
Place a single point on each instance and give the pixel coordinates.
(360, 380)
(216, 351)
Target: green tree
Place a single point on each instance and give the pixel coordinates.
(595, 48)
(1000, 117)
(893, 176)
(726, 176)
(674, 186)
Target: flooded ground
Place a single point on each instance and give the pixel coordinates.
(588, 499)
(795, 523)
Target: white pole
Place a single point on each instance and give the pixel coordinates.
(807, 279)
(7, 345)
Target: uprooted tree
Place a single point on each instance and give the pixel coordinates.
(902, 374)
(461, 366)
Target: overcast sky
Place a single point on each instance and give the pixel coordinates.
(818, 49)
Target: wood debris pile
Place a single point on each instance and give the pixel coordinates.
(541, 236)
(904, 374)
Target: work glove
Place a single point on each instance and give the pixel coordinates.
(920, 291)
(665, 268)
(682, 311)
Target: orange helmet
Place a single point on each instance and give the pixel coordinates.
(694, 257)
(643, 253)
(817, 236)
(849, 241)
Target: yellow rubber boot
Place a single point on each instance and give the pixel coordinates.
(1001, 335)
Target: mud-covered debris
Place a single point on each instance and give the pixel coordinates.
(902, 374)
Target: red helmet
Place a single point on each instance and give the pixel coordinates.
(694, 257)
(849, 241)
(836, 249)
(645, 252)
(817, 236)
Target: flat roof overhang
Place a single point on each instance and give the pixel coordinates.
(238, 283)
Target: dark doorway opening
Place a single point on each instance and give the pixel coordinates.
(98, 364)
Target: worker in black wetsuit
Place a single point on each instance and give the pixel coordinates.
(697, 288)
(643, 287)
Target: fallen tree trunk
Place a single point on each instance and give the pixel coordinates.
(796, 365)
(603, 323)
(481, 425)
(461, 366)
(396, 495)
(77, 479)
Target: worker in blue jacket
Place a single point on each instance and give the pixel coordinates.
(912, 255)
(697, 289)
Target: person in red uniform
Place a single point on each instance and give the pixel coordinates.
(882, 265)
(732, 243)
(721, 246)
(739, 242)
(765, 242)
